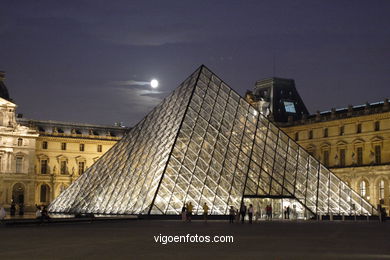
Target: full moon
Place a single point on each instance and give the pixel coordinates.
(154, 83)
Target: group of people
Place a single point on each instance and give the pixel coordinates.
(12, 209)
(239, 215)
(41, 213)
(235, 215)
(186, 212)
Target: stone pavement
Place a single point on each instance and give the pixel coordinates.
(134, 239)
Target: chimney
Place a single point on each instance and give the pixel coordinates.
(386, 105)
(318, 116)
(333, 113)
(350, 110)
(367, 108)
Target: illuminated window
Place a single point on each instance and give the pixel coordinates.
(19, 164)
(81, 147)
(363, 188)
(99, 148)
(378, 154)
(289, 106)
(44, 145)
(81, 167)
(63, 146)
(43, 166)
(20, 142)
(382, 190)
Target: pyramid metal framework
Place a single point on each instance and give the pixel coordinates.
(205, 143)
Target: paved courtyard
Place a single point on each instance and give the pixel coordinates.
(134, 239)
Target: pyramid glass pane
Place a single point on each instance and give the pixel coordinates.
(205, 144)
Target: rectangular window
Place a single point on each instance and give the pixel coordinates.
(44, 145)
(43, 166)
(326, 132)
(341, 130)
(342, 157)
(359, 128)
(378, 154)
(81, 147)
(297, 136)
(81, 167)
(326, 158)
(311, 134)
(99, 148)
(377, 126)
(63, 167)
(20, 142)
(63, 146)
(359, 155)
(19, 164)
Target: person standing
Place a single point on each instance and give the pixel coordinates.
(285, 212)
(2, 214)
(288, 212)
(205, 211)
(250, 213)
(232, 212)
(270, 211)
(21, 209)
(12, 209)
(189, 211)
(184, 213)
(243, 212)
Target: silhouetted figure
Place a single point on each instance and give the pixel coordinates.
(243, 212)
(189, 211)
(232, 212)
(45, 214)
(285, 212)
(205, 211)
(184, 213)
(21, 209)
(250, 213)
(38, 213)
(2, 214)
(288, 212)
(12, 210)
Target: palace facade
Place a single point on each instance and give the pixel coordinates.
(353, 142)
(39, 159)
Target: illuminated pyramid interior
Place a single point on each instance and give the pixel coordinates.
(205, 143)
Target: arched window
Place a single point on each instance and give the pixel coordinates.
(382, 190)
(45, 193)
(363, 188)
(20, 141)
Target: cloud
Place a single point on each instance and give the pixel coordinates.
(130, 83)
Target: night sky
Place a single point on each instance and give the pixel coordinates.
(76, 60)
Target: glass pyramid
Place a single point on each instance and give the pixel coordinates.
(205, 143)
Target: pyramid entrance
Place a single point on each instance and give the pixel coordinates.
(205, 144)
